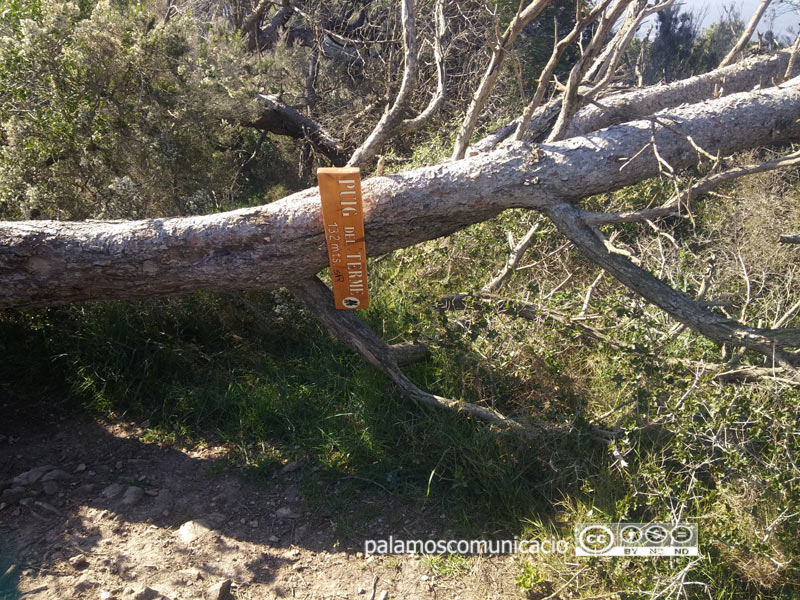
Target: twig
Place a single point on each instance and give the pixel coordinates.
(589, 291)
(374, 587)
(672, 207)
(514, 256)
(532, 312)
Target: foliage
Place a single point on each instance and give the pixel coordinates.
(679, 49)
(110, 112)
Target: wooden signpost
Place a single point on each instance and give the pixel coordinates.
(343, 217)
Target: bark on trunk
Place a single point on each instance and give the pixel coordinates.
(610, 110)
(50, 262)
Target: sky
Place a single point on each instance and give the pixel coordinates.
(780, 16)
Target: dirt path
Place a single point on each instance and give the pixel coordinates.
(90, 511)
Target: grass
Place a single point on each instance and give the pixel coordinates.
(254, 370)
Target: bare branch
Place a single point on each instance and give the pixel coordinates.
(358, 336)
(531, 312)
(746, 35)
(503, 45)
(265, 39)
(550, 67)
(390, 118)
(743, 76)
(672, 208)
(570, 102)
(605, 67)
(568, 219)
(281, 119)
(790, 66)
(513, 259)
(411, 125)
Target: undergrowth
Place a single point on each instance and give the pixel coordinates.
(256, 371)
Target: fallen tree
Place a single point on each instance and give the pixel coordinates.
(282, 244)
(50, 262)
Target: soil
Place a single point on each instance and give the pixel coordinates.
(90, 510)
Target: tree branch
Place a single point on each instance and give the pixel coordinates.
(516, 254)
(358, 336)
(416, 123)
(568, 219)
(281, 119)
(746, 34)
(550, 67)
(503, 45)
(672, 208)
(390, 118)
(570, 101)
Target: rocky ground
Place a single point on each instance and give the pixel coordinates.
(89, 510)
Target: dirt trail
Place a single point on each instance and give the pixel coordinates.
(88, 510)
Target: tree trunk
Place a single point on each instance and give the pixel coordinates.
(50, 262)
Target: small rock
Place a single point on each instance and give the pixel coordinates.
(361, 591)
(32, 476)
(78, 561)
(164, 501)
(12, 495)
(284, 512)
(55, 475)
(215, 519)
(383, 595)
(424, 578)
(192, 530)
(85, 489)
(293, 554)
(50, 487)
(219, 591)
(274, 539)
(84, 584)
(300, 533)
(80, 468)
(147, 593)
(191, 574)
(105, 595)
(132, 495)
(152, 492)
(291, 467)
(47, 507)
(290, 494)
(113, 490)
(5, 578)
(253, 524)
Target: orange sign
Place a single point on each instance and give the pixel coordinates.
(342, 215)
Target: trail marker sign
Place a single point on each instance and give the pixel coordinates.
(343, 219)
